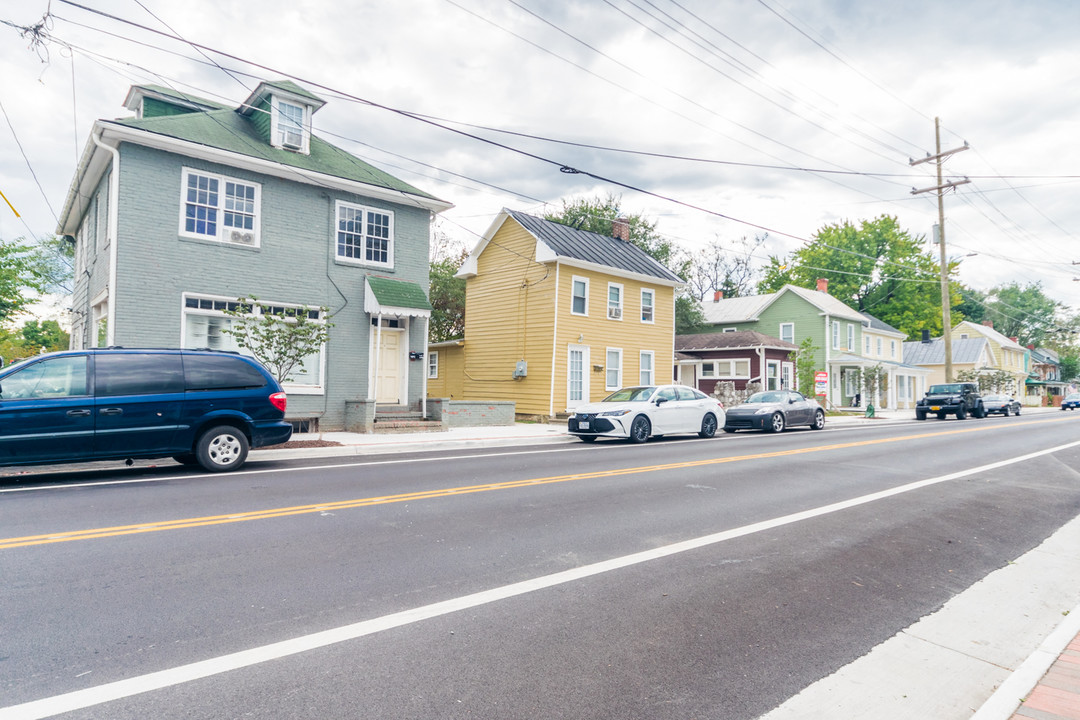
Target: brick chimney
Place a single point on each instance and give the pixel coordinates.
(620, 228)
(989, 324)
(718, 296)
(823, 285)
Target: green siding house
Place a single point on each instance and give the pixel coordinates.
(178, 211)
(845, 340)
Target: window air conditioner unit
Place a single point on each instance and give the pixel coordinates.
(244, 238)
(614, 313)
(293, 141)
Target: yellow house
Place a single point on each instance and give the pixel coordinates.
(1005, 353)
(556, 317)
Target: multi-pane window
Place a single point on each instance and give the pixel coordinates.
(239, 206)
(365, 236)
(433, 365)
(290, 125)
(579, 302)
(726, 369)
(647, 301)
(836, 333)
(207, 326)
(787, 332)
(219, 208)
(613, 375)
(646, 368)
(614, 301)
(850, 337)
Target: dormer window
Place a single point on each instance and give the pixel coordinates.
(290, 126)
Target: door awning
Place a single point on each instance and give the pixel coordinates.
(399, 298)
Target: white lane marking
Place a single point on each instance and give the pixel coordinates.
(89, 697)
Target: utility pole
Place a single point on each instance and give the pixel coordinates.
(940, 188)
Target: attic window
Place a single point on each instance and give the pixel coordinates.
(290, 126)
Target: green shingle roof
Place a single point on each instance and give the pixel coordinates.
(227, 130)
(398, 293)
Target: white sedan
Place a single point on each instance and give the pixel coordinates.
(638, 413)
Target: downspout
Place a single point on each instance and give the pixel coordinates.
(761, 368)
(111, 234)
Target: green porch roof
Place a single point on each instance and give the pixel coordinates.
(390, 293)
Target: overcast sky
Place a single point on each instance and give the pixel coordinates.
(767, 90)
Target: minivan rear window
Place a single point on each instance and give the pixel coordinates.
(211, 372)
(137, 374)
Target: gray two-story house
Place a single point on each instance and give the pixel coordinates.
(178, 211)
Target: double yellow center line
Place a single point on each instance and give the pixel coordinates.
(119, 530)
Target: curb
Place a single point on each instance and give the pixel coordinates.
(1011, 694)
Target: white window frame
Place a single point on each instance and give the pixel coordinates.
(851, 337)
(278, 129)
(851, 384)
(787, 375)
(223, 233)
(647, 377)
(433, 364)
(573, 281)
(712, 372)
(608, 369)
(651, 294)
(867, 344)
(879, 347)
(836, 334)
(892, 349)
(772, 375)
(289, 387)
(364, 212)
(615, 310)
(789, 330)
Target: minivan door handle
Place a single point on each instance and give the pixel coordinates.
(112, 411)
(78, 413)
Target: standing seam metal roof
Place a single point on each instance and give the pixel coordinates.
(592, 247)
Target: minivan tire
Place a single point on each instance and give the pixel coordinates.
(221, 448)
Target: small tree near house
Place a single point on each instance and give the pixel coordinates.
(277, 336)
(805, 367)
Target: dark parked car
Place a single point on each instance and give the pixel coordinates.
(197, 406)
(1071, 401)
(1001, 404)
(774, 410)
(958, 398)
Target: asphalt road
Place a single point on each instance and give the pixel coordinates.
(679, 579)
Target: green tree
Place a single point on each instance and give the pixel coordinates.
(19, 272)
(1023, 312)
(599, 213)
(1070, 366)
(447, 297)
(44, 334)
(278, 337)
(877, 268)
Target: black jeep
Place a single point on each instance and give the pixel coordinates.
(959, 398)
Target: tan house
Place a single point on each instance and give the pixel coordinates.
(556, 317)
(969, 354)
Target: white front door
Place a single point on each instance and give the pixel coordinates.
(388, 379)
(577, 376)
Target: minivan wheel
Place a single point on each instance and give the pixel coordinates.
(221, 448)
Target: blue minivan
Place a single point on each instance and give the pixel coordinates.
(202, 407)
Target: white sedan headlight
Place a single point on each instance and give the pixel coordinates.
(615, 413)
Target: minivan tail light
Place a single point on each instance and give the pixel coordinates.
(279, 400)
